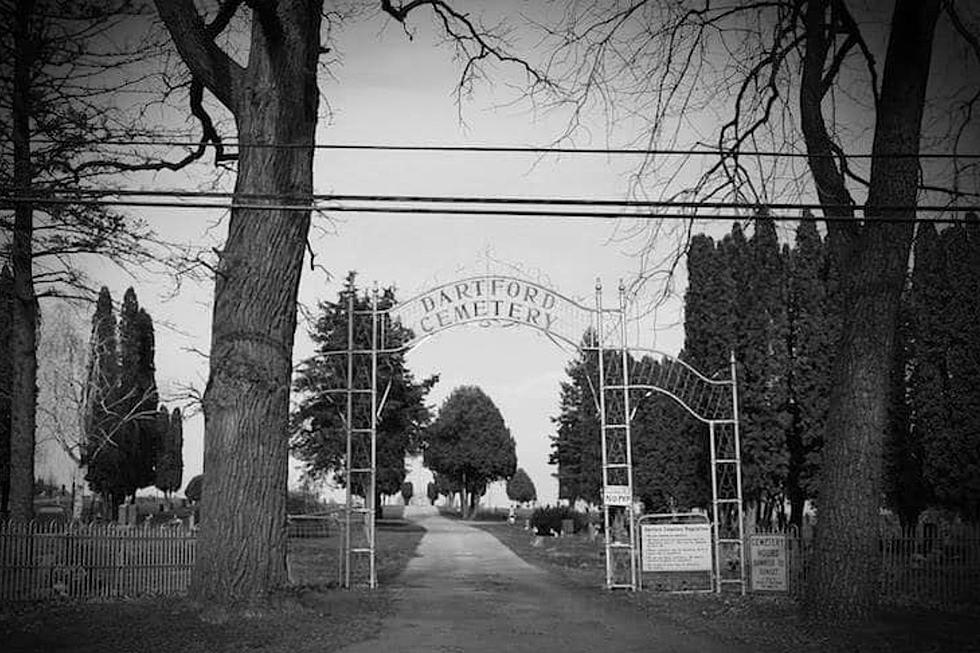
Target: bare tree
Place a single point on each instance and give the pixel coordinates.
(274, 99)
(63, 67)
(833, 79)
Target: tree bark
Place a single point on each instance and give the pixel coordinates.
(242, 543)
(844, 584)
(23, 337)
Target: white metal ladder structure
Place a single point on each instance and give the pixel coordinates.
(360, 418)
(617, 450)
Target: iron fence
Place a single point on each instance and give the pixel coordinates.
(930, 566)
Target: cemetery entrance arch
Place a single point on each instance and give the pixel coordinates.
(627, 374)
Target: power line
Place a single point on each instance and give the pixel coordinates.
(520, 201)
(508, 149)
(543, 213)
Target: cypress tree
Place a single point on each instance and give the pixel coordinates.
(163, 464)
(137, 388)
(955, 472)
(902, 474)
(763, 364)
(669, 458)
(102, 453)
(6, 374)
(809, 348)
(176, 449)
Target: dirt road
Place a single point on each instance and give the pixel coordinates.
(468, 592)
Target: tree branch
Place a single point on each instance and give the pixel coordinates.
(208, 63)
(466, 35)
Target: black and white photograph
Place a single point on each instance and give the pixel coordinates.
(475, 326)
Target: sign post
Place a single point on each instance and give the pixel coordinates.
(768, 563)
(617, 495)
(676, 551)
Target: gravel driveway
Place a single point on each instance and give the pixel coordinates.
(468, 592)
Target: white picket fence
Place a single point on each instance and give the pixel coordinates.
(44, 561)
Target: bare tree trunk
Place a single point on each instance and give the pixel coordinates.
(23, 337)
(242, 551)
(875, 260)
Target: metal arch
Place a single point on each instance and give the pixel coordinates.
(484, 322)
(450, 284)
(381, 318)
(653, 388)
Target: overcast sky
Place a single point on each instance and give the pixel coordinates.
(390, 90)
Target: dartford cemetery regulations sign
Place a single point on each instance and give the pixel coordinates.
(676, 547)
(494, 300)
(767, 557)
(617, 495)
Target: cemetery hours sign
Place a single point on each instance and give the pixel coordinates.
(768, 563)
(676, 547)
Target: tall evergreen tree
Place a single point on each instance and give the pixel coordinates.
(810, 345)
(709, 301)
(763, 366)
(318, 432)
(904, 486)
(470, 444)
(6, 373)
(169, 466)
(176, 442)
(576, 447)
(669, 456)
(137, 393)
(953, 457)
(102, 454)
(162, 464)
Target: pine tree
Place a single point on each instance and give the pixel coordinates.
(576, 448)
(318, 434)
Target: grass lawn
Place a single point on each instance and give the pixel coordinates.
(313, 615)
(763, 623)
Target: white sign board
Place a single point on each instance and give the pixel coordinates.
(617, 495)
(768, 563)
(676, 547)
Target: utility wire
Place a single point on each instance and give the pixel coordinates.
(543, 213)
(510, 149)
(62, 194)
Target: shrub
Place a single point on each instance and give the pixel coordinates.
(408, 490)
(299, 502)
(194, 488)
(548, 519)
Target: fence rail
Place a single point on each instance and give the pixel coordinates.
(45, 560)
(927, 567)
(41, 561)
